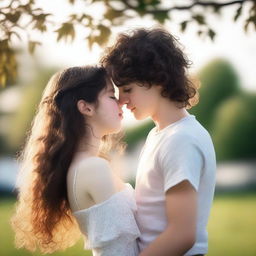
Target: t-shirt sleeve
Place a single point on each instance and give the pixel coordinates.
(180, 159)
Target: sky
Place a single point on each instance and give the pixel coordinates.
(231, 43)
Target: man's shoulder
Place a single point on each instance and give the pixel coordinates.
(179, 140)
(189, 132)
(178, 136)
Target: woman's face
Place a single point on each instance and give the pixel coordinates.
(108, 114)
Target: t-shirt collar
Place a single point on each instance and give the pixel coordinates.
(155, 132)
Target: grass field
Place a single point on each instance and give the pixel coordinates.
(232, 229)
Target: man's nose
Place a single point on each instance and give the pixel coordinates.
(122, 100)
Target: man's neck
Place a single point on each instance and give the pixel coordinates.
(167, 112)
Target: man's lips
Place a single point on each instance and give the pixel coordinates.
(132, 109)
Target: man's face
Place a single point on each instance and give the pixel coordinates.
(141, 101)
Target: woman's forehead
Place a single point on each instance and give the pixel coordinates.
(108, 89)
(110, 86)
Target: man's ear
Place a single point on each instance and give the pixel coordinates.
(85, 108)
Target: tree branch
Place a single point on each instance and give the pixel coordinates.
(209, 3)
(188, 7)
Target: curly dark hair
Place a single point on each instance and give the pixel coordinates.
(151, 57)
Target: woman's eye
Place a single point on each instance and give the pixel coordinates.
(113, 97)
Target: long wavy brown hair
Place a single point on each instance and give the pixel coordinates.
(43, 218)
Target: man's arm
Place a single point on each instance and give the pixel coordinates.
(180, 234)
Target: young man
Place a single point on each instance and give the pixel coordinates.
(176, 170)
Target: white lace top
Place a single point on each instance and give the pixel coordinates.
(110, 228)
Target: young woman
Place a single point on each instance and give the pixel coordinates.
(65, 184)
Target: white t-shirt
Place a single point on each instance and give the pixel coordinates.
(181, 151)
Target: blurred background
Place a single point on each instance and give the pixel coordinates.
(41, 37)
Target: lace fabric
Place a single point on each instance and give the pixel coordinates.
(110, 227)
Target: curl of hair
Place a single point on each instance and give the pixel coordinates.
(43, 218)
(151, 57)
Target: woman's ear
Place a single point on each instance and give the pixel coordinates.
(85, 108)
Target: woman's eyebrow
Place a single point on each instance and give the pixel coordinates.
(111, 90)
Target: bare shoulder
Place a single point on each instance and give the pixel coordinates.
(93, 161)
(94, 166)
(95, 176)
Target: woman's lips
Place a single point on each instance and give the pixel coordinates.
(132, 109)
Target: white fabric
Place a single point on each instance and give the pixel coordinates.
(180, 151)
(110, 228)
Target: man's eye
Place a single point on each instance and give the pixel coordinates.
(126, 90)
(114, 98)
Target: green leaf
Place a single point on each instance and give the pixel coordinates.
(27, 8)
(16, 34)
(13, 17)
(152, 2)
(216, 9)
(101, 39)
(3, 79)
(161, 16)
(252, 20)
(40, 26)
(246, 25)
(211, 34)
(66, 31)
(86, 17)
(141, 5)
(111, 14)
(90, 40)
(32, 46)
(40, 21)
(104, 34)
(199, 32)
(199, 18)
(8, 63)
(238, 13)
(73, 17)
(183, 25)
(4, 45)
